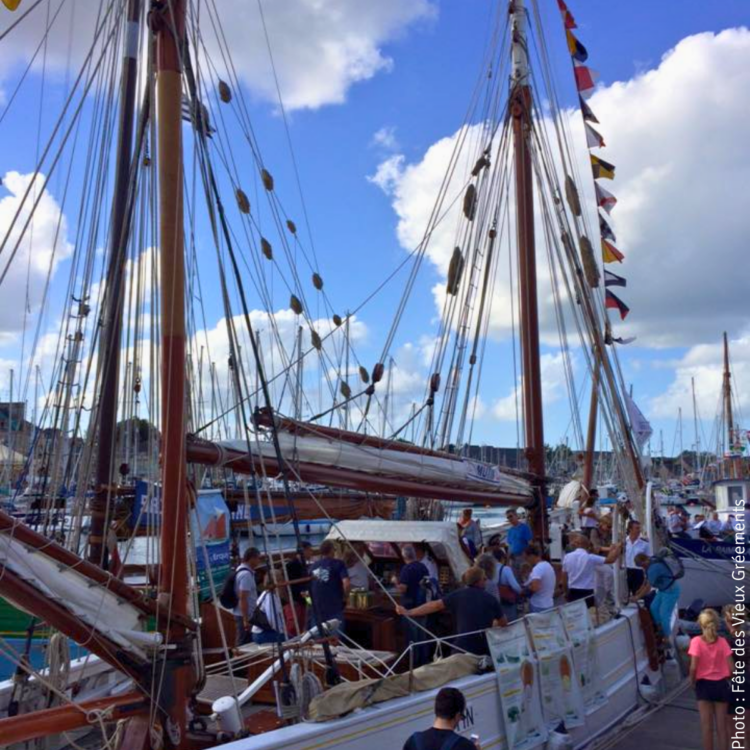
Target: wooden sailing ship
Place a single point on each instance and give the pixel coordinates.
(150, 641)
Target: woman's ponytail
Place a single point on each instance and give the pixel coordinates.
(709, 622)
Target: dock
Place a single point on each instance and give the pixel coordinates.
(673, 726)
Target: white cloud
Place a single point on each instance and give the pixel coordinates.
(44, 245)
(677, 137)
(385, 138)
(507, 408)
(705, 363)
(320, 47)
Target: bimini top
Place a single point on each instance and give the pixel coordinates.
(442, 536)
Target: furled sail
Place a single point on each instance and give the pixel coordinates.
(340, 458)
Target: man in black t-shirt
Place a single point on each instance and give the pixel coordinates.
(408, 583)
(450, 707)
(472, 609)
(330, 585)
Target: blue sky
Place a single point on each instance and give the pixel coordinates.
(415, 86)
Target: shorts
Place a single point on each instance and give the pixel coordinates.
(713, 691)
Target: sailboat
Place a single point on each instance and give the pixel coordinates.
(159, 670)
(709, 562)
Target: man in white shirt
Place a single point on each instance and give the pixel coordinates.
(423, 556)
(635, 545)
(715, 525)
(247, 594)
(674, 521)
(542, 581)
(579, 569)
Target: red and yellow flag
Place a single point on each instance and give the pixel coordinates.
(11, 4)
(610, 254)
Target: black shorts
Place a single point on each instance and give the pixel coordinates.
(636, 576)
(588, 594)
(714, 691)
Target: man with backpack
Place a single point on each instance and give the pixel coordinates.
(450, 710)
(661, 577)
(240, 594)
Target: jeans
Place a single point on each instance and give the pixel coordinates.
(242, 636)
(663, 606)
(414, 634)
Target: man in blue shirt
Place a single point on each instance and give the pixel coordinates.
(659, 576)
(518, 536)
(330, 586)
(408, 585)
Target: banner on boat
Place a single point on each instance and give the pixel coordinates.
(561, 693)
(209, 528)
(580, 632)
(518, 682)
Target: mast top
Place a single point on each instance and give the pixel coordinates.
(520, 48)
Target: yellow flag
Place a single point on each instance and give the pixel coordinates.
(610, 254)
(11, 4)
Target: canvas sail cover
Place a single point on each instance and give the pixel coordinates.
(430, 468)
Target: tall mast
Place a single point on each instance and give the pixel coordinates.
(520, 108)
(109, 343)
(697, 433)
(588, 461)
(173, 580)
(729, 419)
(682, 449)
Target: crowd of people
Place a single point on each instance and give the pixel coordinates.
(708, 526)
(508, 578)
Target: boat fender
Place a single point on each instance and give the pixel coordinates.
(590, 267)
(243, 202)
(649, 636)
(337, 320)
(227, 714)
(346, 391)
(455, 271)
(378, 372)
(266, 248)
(225, 92)
(482, 163)
(316, 340)
(267, 179)
(317, 281)
(571, 193)
(291, 226)
(470, 202)
(295, 304)
(364, 374)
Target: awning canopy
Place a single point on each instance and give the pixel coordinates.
(434, 533)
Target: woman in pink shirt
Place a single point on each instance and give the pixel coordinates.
(710, 668)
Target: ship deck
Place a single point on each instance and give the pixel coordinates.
(674, 726)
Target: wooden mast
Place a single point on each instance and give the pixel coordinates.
(520, 108)
(588, 460)
(173, 581)
(109, 343)
(729, 418)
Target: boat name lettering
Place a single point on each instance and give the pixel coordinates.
(468, 720)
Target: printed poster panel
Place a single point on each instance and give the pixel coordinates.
(580, 631)
(561, 692)
(518, 681)
(209, 526)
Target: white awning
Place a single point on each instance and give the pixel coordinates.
(404, 532)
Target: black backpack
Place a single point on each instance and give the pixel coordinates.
(228, 596)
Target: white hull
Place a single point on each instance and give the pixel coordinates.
(389, 724)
